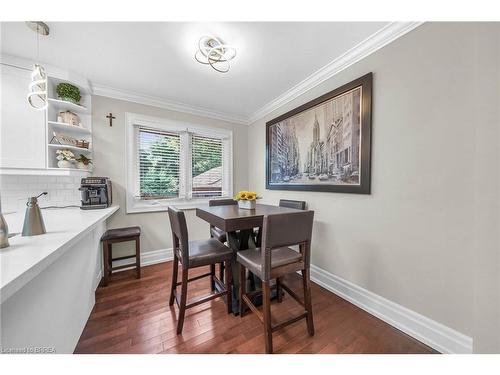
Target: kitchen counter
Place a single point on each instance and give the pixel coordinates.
(27, 257)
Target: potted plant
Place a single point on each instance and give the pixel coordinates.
(246, 199)
(68, 92)
(83, 162)
(65, 158)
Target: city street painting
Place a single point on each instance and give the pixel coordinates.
(323, 145)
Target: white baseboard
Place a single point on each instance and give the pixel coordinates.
(147, 258)
(428, 331)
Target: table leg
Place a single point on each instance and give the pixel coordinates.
(240, 240)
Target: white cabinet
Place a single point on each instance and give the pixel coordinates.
(27, 146)
(22, 129)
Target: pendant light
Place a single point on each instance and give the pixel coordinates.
(37, 89)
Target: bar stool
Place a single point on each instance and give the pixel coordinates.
(115, 236)
(274, 260)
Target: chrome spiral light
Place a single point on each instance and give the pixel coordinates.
(213, 52)
(37, 89)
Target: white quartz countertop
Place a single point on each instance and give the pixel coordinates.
(26, 257)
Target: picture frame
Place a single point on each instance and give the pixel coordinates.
(323, 145)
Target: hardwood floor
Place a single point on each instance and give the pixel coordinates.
(133, 316)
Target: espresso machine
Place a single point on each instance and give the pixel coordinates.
(96, 193)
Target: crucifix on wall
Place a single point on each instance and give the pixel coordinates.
(111, 117)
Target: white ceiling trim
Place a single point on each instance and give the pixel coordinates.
(368, 46)
(166, 104)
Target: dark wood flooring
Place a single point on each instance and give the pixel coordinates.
(133, 316)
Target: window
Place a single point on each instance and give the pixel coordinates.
(175, 163)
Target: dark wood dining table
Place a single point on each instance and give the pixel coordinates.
(239, 225)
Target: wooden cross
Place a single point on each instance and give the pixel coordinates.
(111, 117)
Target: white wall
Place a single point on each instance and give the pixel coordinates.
(427, 236)
(109, 155)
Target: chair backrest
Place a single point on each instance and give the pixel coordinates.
(222, 202)
(180, 239)
(299, 205)
(288, 229)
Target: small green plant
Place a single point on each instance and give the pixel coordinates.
(85, 160)
(67, 91)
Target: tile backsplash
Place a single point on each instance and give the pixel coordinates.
(62, 191)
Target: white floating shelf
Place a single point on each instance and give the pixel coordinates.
(67, 147)
(68, 106)
(45, 172)
(72, 171)
(68, 127)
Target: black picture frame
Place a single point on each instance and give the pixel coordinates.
(364, 186)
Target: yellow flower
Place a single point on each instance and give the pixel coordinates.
(243, 195)
(251, 195)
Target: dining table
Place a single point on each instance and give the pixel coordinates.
(243, 229)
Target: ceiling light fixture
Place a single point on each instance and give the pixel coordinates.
(37, 89)
(213, 52)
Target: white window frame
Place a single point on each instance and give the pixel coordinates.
(132, 123)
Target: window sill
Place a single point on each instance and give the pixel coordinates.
(141, 207)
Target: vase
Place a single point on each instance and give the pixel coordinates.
(247, 205)
(64, 164)
(81, 165)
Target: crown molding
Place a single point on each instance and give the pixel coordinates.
(368, 46)
(139, 98)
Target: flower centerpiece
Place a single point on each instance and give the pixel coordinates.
(246, 199)
(65, 158)
(83, 162)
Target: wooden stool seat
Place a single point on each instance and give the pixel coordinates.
(117, 235)
(120, 233)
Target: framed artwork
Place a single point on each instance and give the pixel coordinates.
(323, 145)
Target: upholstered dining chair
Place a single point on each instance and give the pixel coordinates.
(193, 254)
(299, 205)
(218, 233)
(275, 259)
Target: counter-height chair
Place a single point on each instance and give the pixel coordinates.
(193, 254)
(299, 205)
(275, 259)
(218, 233)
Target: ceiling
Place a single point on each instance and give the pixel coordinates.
(156, 59)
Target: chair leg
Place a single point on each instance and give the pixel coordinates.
(221, 270)
(212, 275)
(243, 287)
(228, 282)
(175, 269)
(279, 291)
(110, 259)
(182, 307)
(138, 257)
(105, 254)
(306, 281)
(266, 309)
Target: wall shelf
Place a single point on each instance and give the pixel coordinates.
(68, 147)
(62, 105)
(71, 128)
(45, 172)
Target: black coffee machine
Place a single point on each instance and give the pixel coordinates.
(96, 193)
